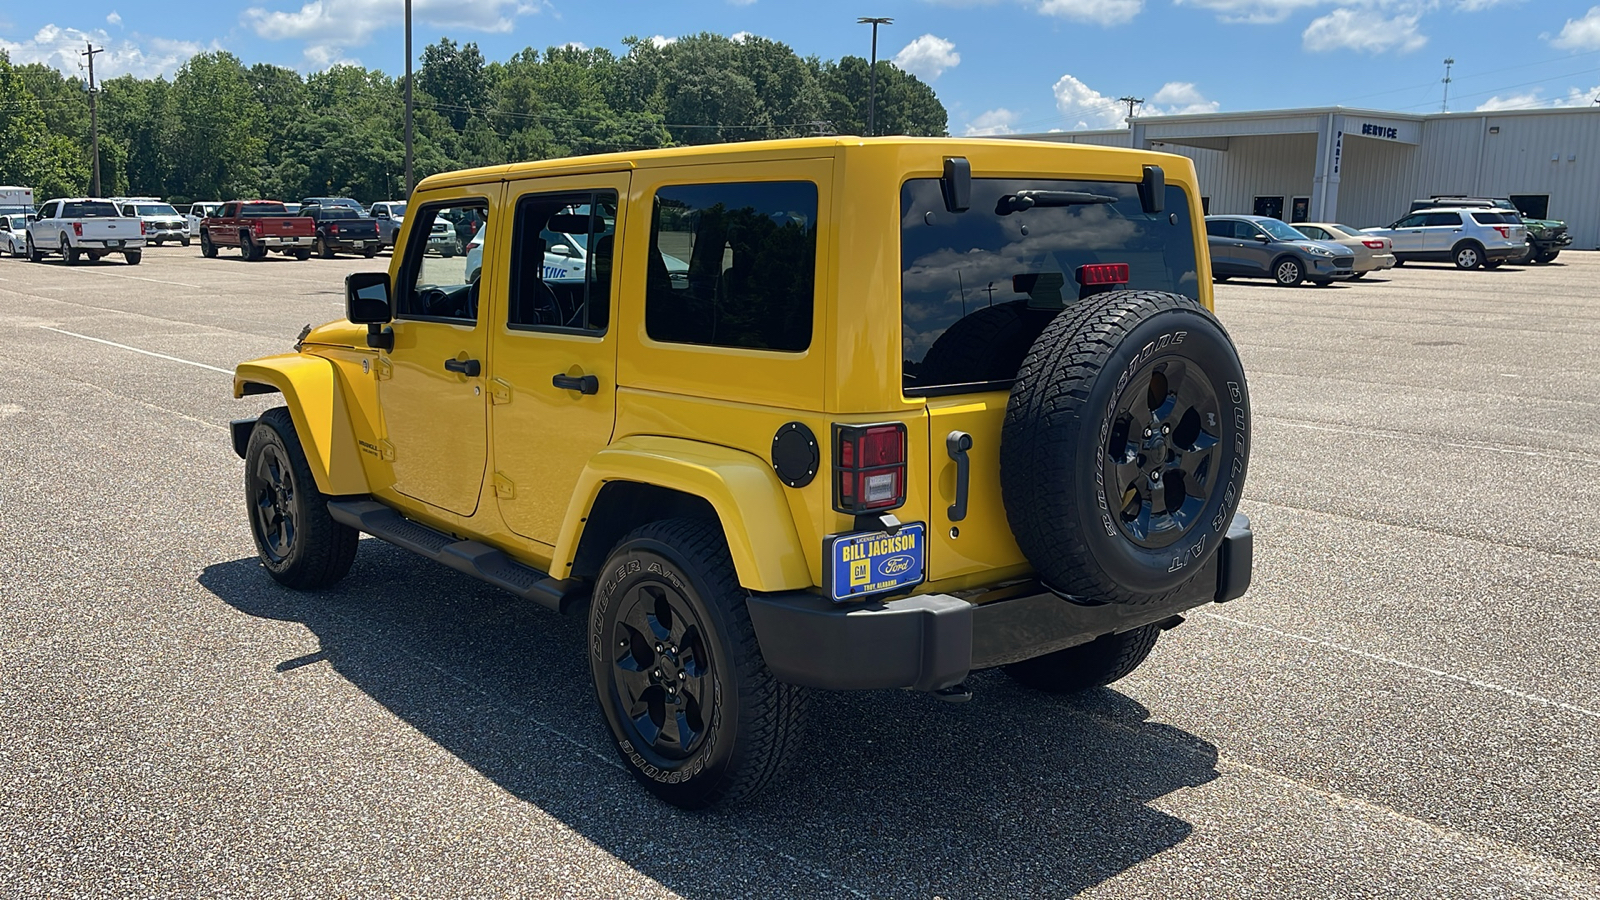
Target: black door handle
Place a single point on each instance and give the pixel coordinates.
(583, 384)
(957, 444)
(467, 367)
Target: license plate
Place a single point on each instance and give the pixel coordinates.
(875, 562)
(113, 243)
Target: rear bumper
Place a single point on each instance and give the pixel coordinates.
(120, 244)
(1498, 254)
(935, 640)
(276, 242)
(1376, 262)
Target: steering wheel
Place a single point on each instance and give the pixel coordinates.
(437, 302)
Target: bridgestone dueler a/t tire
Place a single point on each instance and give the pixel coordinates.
(1054, 444)
(1095, 664)
(322, 548)
(754, 722)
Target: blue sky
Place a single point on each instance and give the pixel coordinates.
(999, 66)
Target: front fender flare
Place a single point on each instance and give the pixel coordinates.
(741, 487)
(317, 404)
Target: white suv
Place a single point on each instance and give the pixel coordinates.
(1467, 236)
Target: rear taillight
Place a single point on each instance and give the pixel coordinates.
(77, 228)
(1373, 245)
(1505, 230)
(1103, 273)
(869, 467)
(143, 228)
(334, 228)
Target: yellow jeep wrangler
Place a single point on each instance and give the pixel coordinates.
(832, 413)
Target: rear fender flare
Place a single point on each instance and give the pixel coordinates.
(741, 488)
(318, 406)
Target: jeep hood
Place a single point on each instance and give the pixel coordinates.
(338, 333)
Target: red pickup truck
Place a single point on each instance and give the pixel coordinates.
(255, 227)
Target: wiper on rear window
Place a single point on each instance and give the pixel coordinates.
(1021, 200)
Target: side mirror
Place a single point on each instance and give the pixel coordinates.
(366, 298)
(1263, 237)
(559, 250)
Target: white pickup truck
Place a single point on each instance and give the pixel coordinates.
(84, 227)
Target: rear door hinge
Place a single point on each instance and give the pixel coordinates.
(386, 450)
(503, 487)
(384, 368)
(499, 391)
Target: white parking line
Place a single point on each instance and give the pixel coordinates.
(1406, 435)
(1437, 673)
(138, 278)
(187, 362)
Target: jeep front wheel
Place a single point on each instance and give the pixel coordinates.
(1124, 448)
(299, 543)
(693, 709)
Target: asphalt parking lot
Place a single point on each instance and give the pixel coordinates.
(1407, 702)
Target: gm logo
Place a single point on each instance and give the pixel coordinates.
(896, 565)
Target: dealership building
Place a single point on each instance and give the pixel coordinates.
(1364, 167)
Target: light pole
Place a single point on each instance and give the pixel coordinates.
(1445, 106)
(410, 181)
(94, 123)
(872, 71)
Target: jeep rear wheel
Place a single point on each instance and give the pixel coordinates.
(299, 543)
(694, 711)
(1095, 664)
(1125, 445)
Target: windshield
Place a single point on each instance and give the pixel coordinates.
(1353, 232)
(959, 271)
(1280, 231)
(155, 209)
(258, 210)
(397, 210)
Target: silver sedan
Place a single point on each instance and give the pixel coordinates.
(1373, 253)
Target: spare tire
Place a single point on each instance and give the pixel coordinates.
(989, 344)
(1125, 445)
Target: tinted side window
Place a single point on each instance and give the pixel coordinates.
(1220, 228)
(1438, 219)
(1313, 232)
(565, 290)
(1492, 218)
(1411, 222)
(733, 265)
(436, 281)
(1244, 231)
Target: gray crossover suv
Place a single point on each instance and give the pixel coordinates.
(1259, 247)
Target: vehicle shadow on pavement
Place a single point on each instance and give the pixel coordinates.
(1016, 793)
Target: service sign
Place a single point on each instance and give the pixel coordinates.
(876, 562)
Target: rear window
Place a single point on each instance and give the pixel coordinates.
(88, 210)
(978, 287)
(258, 210)
(1494, 218)
(337, 212)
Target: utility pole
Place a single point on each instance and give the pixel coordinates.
(1131, 101)
(94, 122)
(1445, 107)
(410, 179)
(872, 72)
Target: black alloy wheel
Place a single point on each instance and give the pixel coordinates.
(662, 670)
(1163, 452)
(297, 539)
(269, 485)
(693, 710)
(207, 249)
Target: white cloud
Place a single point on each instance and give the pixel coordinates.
(1362, 31)
(739, 37)
(1092, 109)
(113, 19)
(1178, 98)
(927, 57)
(1580, 34)
(741, 2)
(1254, 12)
(995, 121)
(1479, 5)
(1533, 100)
(574, 45)
(1100, 12)
(658, 41)
(330, 26)
(143, 57)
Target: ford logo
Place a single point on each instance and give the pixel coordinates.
(896, 565)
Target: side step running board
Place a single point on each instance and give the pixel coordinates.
(471, 557)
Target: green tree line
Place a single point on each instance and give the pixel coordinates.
(220, 129)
